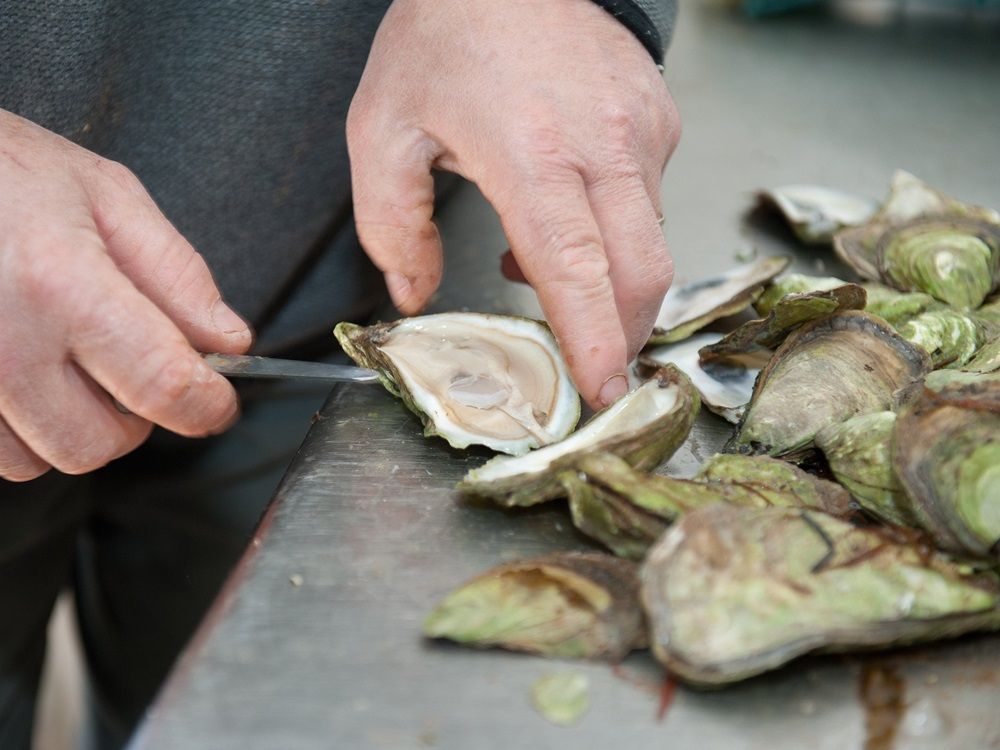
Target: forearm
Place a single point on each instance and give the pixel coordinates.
(652, 21)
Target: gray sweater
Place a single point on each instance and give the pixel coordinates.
(231, 112)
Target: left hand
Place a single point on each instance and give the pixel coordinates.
(560, 116)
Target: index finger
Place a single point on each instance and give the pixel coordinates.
(558, 246)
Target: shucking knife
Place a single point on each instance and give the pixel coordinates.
(245, 366)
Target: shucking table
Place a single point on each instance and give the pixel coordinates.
(315, 640)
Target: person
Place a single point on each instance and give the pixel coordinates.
(174, 176)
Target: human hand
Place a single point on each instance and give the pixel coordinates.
(559, 115)
(99, 295)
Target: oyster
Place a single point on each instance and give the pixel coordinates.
(949, 337)
(947, 458)
(986, 359)
(792, 283)
(692, 306)
(569, 605)
(472, 378)
(645, 426)
(627, 510)
(826, 372)
(732, 592)
(787, 314)
(895, 306)
(725, 386)
(909, 198)
(817, 213)
(859, 453)
(988, 317)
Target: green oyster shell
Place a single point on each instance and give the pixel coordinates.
(894, 306)
(569, 605)
(733, 592)
(949, 337)
(792, 283)
(859, 452)
(788, 313)
(826, 372)
(533, 479)
(986, 359)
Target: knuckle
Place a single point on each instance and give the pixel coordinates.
(172, 373)
(121, 176)
(40, 274)
(580, 260)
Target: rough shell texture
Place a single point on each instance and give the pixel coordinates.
(986, 359)
(893, 305)
(692, 306)
(826, 372)
(570, 605)
(792, 283)
(732, 592)
(644, 427)
(949, 337)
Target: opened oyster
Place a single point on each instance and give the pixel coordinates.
(628, 510)
(826, 372)
(792, 283)
(788, 313)
(947, 458)
(732, 592)
(570, 605)
(692, 306)
(859, 452)
(645, 426)
(725, 386)
(922, 240)
(816, 213)
(472, 378)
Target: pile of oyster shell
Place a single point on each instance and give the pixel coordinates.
(857, 504)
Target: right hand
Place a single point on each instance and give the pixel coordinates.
(101, 299)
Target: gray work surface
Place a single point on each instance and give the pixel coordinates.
(368, 519)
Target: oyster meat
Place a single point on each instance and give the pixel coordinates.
(817, 213)
(692, 306)
(645, 426)
(788, 313)
(859, 452)
(826, 372)
(732, 592)
(725, 386)
(472, 378)
(946, 456)
(570, 605)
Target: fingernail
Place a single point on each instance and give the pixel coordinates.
(613, 389)
(228, 321)
(399, 287)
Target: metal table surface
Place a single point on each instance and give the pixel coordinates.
(368, 519)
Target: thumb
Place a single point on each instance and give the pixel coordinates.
(163, 265)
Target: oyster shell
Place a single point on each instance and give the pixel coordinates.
(909, 199)
(986, 359)
(988, 317)
(949, 337)
(570, 605)
(725, 387)
(645, 426)
(472, 378)
(627, 510)
(732, 592)
(787, 314)
(792, 283)
(859, 452)
(946, 455)
(895, 306)
(817, 213)
(826, 372)
(692, 306)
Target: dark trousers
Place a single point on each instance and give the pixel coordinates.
(144, 545)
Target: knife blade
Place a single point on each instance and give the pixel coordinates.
(246, 366)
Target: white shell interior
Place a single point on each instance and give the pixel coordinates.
(818, 212)
(483, 379)
(629, 414)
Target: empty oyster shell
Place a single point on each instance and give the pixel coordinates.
(859, 452)
(472, 378)
(570, 605)
(895, 306)
(949, 337)
(645, 426)
(788, 313)
(909, 199)
(817, 213)
(792, 283)
(692, 306)
(628, 510)
(826, 372)
(947, 457)
(725, 386)
(732, 592)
